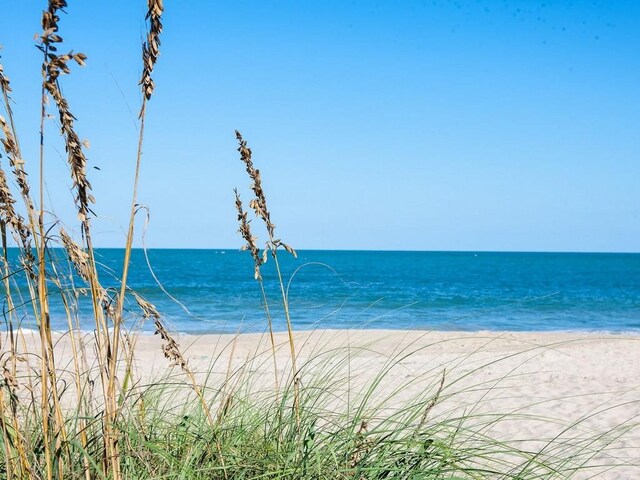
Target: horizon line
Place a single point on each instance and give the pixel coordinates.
(376, 250)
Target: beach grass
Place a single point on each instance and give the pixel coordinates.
(75, 405)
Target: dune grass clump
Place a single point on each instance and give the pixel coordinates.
(72, 404)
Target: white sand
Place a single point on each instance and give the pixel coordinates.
(590, 379)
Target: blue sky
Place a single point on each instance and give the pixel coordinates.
(478, 125)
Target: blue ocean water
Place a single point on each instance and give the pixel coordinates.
(372, 289)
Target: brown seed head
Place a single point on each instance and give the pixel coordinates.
(8, 214)
(55, 65)
(259, 203)
(73, 145)
(17, 164)
(9, 379)
(245, 232)
(151, 48)
(4, 81)
(50, 21)
(77, 256)
(170, 348)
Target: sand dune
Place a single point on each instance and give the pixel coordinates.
(547, 385)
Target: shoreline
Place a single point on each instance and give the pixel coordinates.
(577, 333)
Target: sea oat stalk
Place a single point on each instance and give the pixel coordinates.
(259, 206)
(150, 52)
(245, 231)
(51, 68)
(54, 66)
(22, 232)
(12, 148)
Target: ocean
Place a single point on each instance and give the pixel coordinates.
(209, 291)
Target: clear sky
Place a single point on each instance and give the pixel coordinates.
(423, 125)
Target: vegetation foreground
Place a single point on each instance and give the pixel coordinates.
(74, 406)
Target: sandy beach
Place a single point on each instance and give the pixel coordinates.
(534, 387)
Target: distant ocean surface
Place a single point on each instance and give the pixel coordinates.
(463, 291)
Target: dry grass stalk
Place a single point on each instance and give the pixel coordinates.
(259, 205)
(53, 426)
(84, 266)
(432, 403)
(245, 231)
(227, 392)
(22, 233)
(150, 53)
(258, 260)
(361, 448)
(11, 147)
(47, 374)
(9, 422)
(53, 66)
(80, 370)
